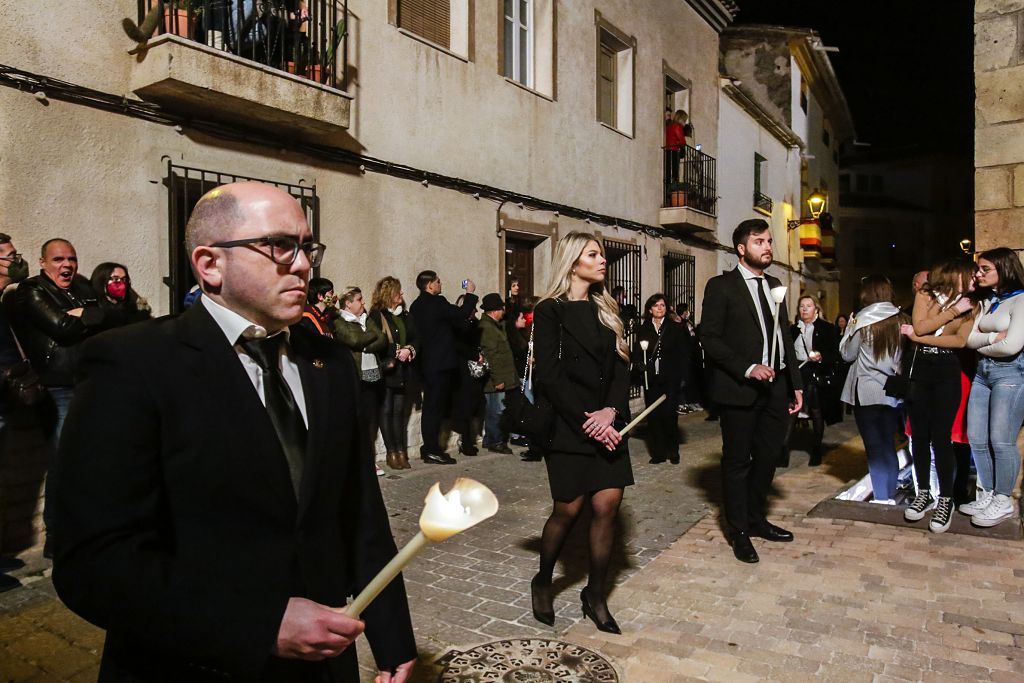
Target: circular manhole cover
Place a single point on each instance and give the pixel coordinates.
(528, 660)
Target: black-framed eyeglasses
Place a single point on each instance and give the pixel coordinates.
(284, 249)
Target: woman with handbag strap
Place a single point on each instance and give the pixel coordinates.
(388, 310)
(816, 343)
(941, 324)
(364, 337)
(582, 369)
(872, 344)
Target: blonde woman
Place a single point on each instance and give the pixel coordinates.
(582, 369)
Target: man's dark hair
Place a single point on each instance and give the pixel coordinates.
(318, 287)
(47, 243)
(751, 226)
(424, 279)
(5, 238)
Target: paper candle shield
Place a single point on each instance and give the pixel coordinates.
(467, 504)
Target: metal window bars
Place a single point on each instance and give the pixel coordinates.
(185, 186)
(623, 270)
(763, 202)
(691, 180)
(680, 280)
(308, 38)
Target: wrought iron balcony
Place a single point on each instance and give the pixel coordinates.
(691, 180)
(308, 38)
(763, 203)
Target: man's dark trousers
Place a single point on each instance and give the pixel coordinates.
(752, 438)
(437, 396)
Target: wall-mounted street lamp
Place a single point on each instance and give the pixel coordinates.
(816, 204)
(965, 246)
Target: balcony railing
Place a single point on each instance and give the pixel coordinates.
(763, 202)
(691, 180)
(308, 38)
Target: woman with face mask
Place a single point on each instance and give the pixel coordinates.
(114, 292)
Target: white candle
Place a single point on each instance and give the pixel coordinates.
(778, 294)
(639, 418)
(643, 345)
(467, 504)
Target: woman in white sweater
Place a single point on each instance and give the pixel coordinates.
(996, 407)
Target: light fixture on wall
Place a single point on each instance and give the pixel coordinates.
(966, 245)
(816, 202)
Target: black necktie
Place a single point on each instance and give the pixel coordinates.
(768, 316)
(284, 412)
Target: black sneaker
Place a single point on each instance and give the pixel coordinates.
(942, 516)
(922, 503)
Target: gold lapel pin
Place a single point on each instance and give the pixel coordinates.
(318, 364)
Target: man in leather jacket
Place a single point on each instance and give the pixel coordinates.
(52, 314)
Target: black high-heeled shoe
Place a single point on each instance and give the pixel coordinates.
(610, 626)
(543, 607)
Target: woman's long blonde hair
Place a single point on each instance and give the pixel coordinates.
(567, 254)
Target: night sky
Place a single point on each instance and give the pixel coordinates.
(906, 66)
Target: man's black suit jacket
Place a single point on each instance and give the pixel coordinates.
(730, 333)
(179, 531)
(436, 323)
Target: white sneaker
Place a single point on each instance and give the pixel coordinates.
(882, 501)
(998, 510)
(981, 500)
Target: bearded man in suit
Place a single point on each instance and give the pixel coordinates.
(219, 502)
(755, 392)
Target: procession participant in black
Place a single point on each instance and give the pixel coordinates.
(582, 369)
(754, 393)
(219, 503)
(660, 371)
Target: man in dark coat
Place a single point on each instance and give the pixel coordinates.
(436, 323)
(754, 391)
(52, 314)
(502, 377)
(220, 502)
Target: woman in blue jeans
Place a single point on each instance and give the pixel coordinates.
(996, 406)
(872, 344)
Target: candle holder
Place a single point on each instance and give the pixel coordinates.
(643, 346)
(467, 504)
(778, 295)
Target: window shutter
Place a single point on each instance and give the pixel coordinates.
(606, 86)
(430, 19)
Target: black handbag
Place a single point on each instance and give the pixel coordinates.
(534, 419)
(898, 386)
(23, 383)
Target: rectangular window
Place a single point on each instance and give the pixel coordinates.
(615, 60)
(803, 94)
(606, 86)
(762, 202)
(519, 40)
(826, 139)
(430, 19)
(623, 275)
(678, 280)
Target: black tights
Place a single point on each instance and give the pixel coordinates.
(604, 507)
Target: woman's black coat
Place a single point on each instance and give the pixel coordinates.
(577, 373)
(826, 374)
(675, 349)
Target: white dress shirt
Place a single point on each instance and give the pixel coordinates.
(234, 326)
(750, 279)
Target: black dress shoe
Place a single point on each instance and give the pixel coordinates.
(543, 607)
(437, 458)
(531, 456)
(520, 441)
(742, 548)
(656, 461)
(770, 532)
(468, 450)
(609, 626)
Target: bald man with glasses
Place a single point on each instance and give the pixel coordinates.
(220, 503)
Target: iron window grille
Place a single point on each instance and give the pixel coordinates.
(185, 186)
(680, 280)
(623, 270)
(311, 42)
(692, 180)
(763, 202)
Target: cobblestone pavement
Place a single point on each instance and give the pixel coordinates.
(847, 600)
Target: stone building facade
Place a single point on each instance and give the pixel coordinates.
(999, 123)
